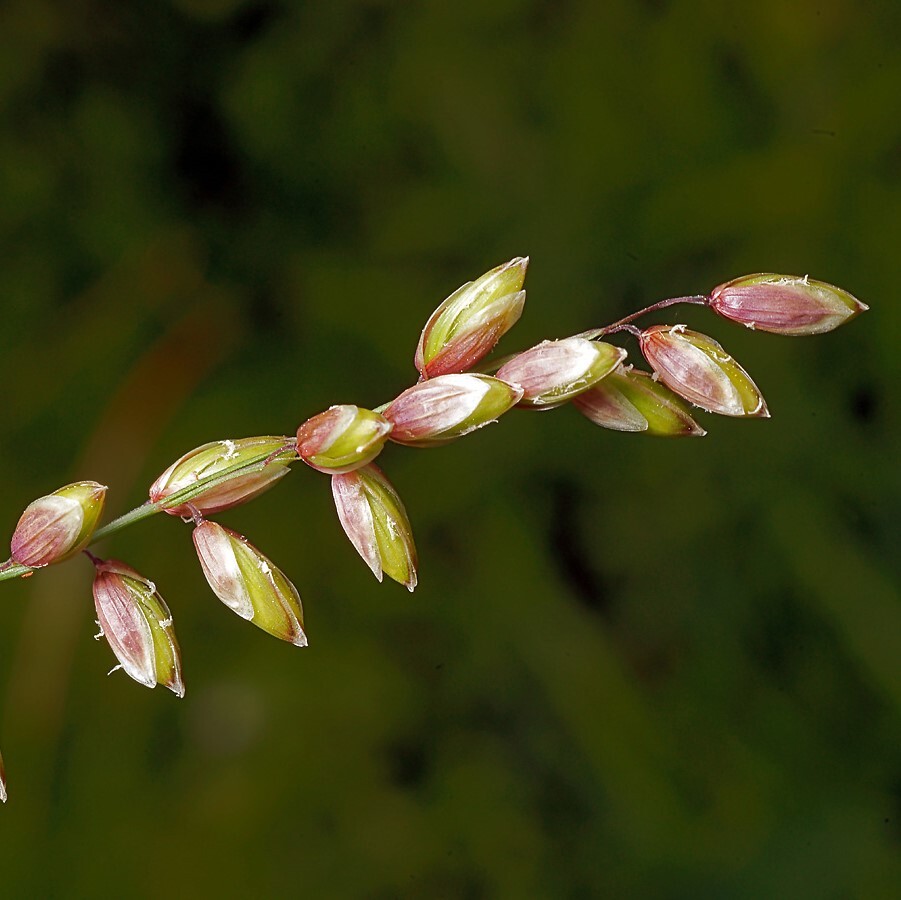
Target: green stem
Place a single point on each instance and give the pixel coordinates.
(14, 571)
(185, 495)
(141, 512)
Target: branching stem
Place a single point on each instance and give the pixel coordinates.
(183, 497)
(697, 299)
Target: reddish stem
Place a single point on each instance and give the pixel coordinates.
(623, 326)
(196, 515)
(698, 299)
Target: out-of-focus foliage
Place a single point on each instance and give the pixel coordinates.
(632, 668)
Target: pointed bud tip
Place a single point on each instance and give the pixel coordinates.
(248, 582)
(630, 400)
(554, 372)
(376, 523)
(785, 304)
(442, 409)
(698, 369)
(58, 525)
(467, 325)
(342, 438)
(268, 457)
(137, 625)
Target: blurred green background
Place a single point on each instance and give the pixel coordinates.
(633, 668)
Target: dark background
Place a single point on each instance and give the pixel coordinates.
(633, 667)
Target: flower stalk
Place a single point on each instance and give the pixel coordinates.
(480, 312)
(451, 400)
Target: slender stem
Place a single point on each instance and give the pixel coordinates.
(699, 299)
(623, 326)
(13, 570)
(141, 512)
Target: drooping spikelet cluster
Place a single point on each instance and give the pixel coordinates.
(450, 400)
